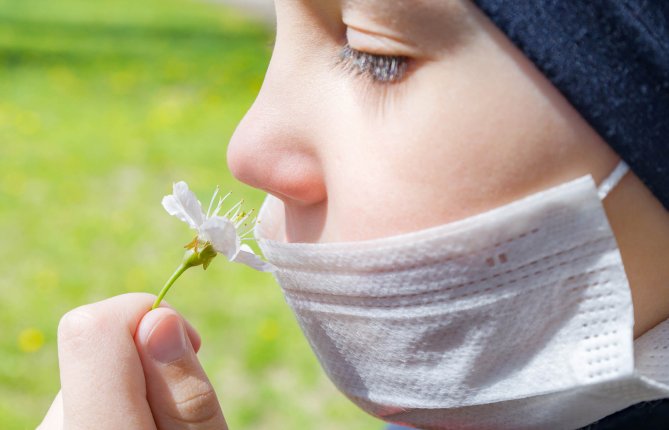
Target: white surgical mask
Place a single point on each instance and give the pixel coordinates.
(517, 318)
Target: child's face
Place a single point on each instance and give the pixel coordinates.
(469, 125)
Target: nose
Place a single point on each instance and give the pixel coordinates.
(273, 149)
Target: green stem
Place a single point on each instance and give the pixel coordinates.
(182, 268)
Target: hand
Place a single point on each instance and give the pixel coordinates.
(124, 368)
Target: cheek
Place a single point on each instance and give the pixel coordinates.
(455, 141)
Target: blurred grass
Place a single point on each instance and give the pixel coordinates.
(102, 106)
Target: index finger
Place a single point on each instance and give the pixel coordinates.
(102, 379)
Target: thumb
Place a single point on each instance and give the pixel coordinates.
(178, 391)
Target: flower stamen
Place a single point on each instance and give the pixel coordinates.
(220, 204)
(192, 244)
(248, 232)
(211, 202)
(243, 217)
(234, 209)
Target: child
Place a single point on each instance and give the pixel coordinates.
(435, 222)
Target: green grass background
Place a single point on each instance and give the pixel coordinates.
(103, 104)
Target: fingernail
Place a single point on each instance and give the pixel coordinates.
(167, 340)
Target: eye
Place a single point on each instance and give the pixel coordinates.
(379, 68)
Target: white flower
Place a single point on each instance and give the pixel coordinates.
(221, 232)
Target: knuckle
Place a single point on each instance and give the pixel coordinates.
(78, 326)
(198, 406)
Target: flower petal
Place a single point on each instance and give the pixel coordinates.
(183, 204)
(222, 235)
(248, 257)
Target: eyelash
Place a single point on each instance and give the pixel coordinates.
(385, 69)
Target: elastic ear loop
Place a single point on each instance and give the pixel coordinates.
(612, 180)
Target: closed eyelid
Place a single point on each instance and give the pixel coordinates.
(417, 28)
(380, 44)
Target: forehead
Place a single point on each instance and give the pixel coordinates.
(406, 6)
(385, 7)
(422, 12)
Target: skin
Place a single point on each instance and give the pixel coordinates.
(125, 381)
(471, 126)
